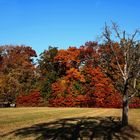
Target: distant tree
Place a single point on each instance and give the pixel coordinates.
(66, 89)
(48, 71)
(68, 58)
(83, 83)
(120, 59)
(17, 71)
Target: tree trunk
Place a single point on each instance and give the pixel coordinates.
(125, 106)
(125, 111)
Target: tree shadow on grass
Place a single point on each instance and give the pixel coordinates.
(91, 128)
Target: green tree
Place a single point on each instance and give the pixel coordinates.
(48, 71)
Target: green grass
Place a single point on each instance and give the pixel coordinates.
(43, 123)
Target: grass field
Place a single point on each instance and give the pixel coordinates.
(67, 124)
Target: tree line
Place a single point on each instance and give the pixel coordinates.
(95, 74)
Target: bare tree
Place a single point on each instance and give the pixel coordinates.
(130, 71)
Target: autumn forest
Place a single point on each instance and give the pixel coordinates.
(85, 76)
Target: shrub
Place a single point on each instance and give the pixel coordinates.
(135, 103)
(32, 99)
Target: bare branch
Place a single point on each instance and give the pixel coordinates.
(129, 68)
(124, 35)
(133, 95)
(107, 35)
(116, 29)
(134, 85)
(133, 35)
(122, 73)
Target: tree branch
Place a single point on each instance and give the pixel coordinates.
(133, 36)
(115, 28)
(132, 95)
(107, 35)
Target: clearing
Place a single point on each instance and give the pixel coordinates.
(43, 123)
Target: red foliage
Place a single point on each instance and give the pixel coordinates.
(101, 91)
(32, 99)
(86, 88)
(135, 103)
(68, 57)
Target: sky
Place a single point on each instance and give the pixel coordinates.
(62, 23)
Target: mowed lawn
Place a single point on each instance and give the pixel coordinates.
(42, 123)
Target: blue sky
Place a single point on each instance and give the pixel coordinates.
(62, 23)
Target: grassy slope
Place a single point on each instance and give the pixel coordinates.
(19, 120)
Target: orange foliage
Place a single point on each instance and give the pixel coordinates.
(68, 57)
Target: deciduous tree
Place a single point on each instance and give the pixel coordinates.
(17, 71)
(125, 55)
